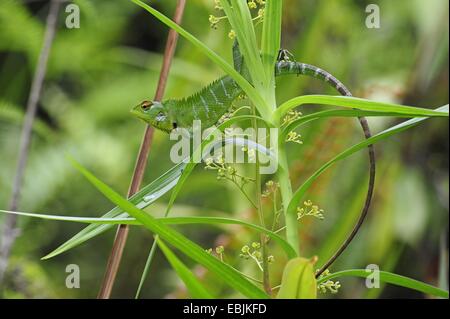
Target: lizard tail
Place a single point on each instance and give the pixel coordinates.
(289, 67)
(365, 210)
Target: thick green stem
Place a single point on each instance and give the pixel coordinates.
(263, 239)
(286, 195)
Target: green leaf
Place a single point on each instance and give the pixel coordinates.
(146, 196)
(299, 193)
(271, 36)
(167, 221)
(298, 281)
(389, 278)
(229, 275)
(240, 19)
(251, 92)
(337, 113)
(193, 285)
(354, 103)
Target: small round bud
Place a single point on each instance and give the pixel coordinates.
(256, 245)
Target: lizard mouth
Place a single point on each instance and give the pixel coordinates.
(137, 113)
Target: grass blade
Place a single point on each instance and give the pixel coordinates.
(215, 221)
(229, 275)
(145, 197)
(354, 103)
(239, 16)
(271, 36)
(193, 285)
(337, 113)
(390, 278)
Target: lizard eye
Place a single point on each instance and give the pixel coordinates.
(146, 105)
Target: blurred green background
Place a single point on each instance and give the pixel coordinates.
(97, 72)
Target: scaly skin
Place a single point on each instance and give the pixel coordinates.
(213, 101)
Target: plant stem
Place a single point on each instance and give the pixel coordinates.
(279, 230)
(286, 195)
(147, 266)
(247, 276)
(275, 210)
(263, 240)
(241, 189)
(10, 232)
(141, 162)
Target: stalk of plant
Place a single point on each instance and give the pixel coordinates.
(141, 162)
(10, 232)
(259, 208)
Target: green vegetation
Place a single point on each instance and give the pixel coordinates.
(96, 73)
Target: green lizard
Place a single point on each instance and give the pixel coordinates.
(214, 100)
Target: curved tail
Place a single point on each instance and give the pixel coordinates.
(289, 67)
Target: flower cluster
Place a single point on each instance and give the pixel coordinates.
(294, 137)
(226, 172)
(329, 285)
(214, 21)
(219, 250)
(252, 4)
(254, 252)
(309, 209)
(271, 188)
(217, 5)
(291, 116)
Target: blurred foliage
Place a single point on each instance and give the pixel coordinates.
(97, 72)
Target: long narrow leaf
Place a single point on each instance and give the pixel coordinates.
(193, 285)
(354, 103)
(145, 197)
(165, 220)
(238, 15)
(229, 275)
(390, 278)
(338, 113)
(271, 35)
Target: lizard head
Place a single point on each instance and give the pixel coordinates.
(155, 114)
